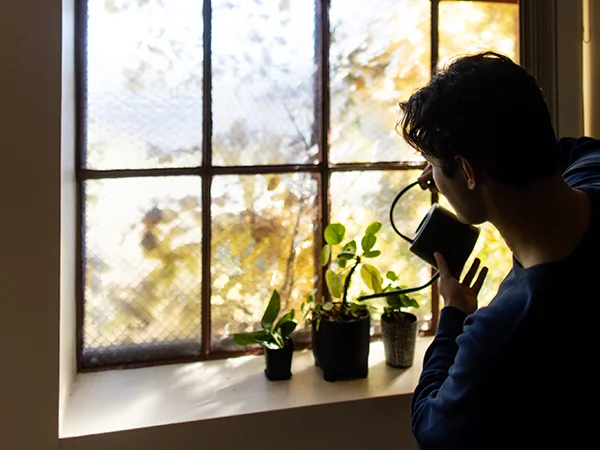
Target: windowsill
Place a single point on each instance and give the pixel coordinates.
(121, 400)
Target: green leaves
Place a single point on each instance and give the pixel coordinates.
(411, 302)
(334, 283)
(368, 242)
(371, 277)
(287, 328)
(357, 309)
(325, 255)
(369, 239)
(373, 228)
(396, 302)
(289, 317)
(257, 337)
(334, 233)
(271, 312)
(328, 306)
(348, 260)
(350, 248)
(244, 339)
(272, 336)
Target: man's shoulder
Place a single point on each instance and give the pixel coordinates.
(582, 143)
(580, 160)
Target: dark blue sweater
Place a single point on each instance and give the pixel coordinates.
(519, 372)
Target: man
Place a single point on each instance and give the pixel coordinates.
(516, 374)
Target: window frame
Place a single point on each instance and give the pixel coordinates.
(206, 172)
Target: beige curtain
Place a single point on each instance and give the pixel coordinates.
(538, 47)
(591, 67)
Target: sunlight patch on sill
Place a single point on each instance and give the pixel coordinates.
(119, 400)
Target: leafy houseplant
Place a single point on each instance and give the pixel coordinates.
(275, 338)
(340, 328)
(398, 327)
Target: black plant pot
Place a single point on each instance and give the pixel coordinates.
(399, 340)
(279, 361)
(341, 349)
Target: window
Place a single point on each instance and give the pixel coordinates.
(218, 138)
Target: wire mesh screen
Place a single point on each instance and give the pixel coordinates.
(144, 84)
(379, 56)
(142, 269)
(263, 232)
(263, 82)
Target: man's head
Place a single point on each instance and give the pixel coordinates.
(483, 116)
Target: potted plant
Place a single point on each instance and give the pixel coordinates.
(275, 339)
(341, 328)
(398, 326)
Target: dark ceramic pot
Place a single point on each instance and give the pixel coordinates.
(279, 361)
(341, 349)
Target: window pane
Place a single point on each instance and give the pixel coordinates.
(262, 239)
(144, 105)
(263, 82)
(380, 54)
(360, 198)
(468, 27)
(493, 253)
(142, 269)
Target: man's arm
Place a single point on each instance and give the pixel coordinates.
(454, 400)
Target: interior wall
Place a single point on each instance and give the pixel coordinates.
(379, 423)
(30, 120)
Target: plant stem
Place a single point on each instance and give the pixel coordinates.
(347, 281)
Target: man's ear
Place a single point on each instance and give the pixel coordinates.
(468, 171)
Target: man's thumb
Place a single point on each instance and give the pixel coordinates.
(441, 263)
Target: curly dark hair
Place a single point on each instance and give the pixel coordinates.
(489, 110)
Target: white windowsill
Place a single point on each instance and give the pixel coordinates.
(120, 400)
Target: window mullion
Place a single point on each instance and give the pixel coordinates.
(322, 117)
(206, 179)
(435, 46)
(81, 11)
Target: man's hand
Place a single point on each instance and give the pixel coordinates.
(460, 295)
(426, 179)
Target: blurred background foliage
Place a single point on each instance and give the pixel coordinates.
(143, 236)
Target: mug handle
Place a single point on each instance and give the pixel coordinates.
(400, 194)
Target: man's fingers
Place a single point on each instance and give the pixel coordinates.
(441, 263)
(426, 178)
(480, 279)
(471, 273)
(424, 181)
